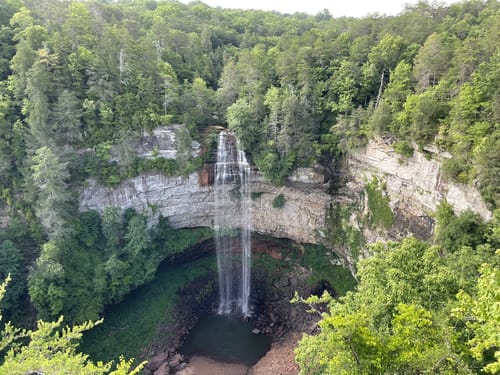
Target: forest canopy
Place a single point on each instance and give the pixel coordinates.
(296, 89)
(81, 81)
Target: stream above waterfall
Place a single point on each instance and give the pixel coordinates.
(226, 339)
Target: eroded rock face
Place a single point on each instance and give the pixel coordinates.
(186, 203)
(162, 142)
(301, 218)
(414, 184)
(189, 201)
(181, 199)
(308, 176)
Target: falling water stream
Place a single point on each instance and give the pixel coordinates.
(232, 225)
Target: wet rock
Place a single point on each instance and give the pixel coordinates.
(176, 360)
(164, 369)
(158, 360)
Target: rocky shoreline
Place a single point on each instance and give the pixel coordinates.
(279, 360)
(273, 315)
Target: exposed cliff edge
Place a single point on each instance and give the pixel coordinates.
(189, 201)
(187, 204)
(414, 184)
(413, 187)
(181, 199)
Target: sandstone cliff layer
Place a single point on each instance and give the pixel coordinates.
(187, 204)
(414, 187)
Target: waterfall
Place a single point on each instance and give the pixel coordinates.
(232, 225)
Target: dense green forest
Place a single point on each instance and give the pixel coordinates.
(419, 308)
(80, 81)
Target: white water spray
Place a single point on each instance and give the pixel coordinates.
(232, 225)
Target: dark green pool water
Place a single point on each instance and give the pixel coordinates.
(226, 339)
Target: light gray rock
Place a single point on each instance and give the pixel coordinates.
(162, 143)
(307, 176)
(157, 361)
(414, 186)
(187, 204)
(180, 199)
(164, 369)
(416, 181)
(300, 219)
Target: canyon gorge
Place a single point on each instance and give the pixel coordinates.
(413, 186)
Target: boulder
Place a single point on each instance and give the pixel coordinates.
(157, 361)
(176, 360)
(164, 369)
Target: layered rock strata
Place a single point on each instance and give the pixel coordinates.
(414, 186)
(186, 203)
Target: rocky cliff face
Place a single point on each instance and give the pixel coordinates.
(413, 184)
(181, 199)
(187, 204)
(301, 218)
(413, 188)
(189, 201)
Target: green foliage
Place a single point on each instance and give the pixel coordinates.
(380, 211)
(296, 89)
(417, 309)
(102, 261)
(340, 232)
(46, 282)
(51, 348)
(274, 167)
(241, 120)
(323, 264)
(456, 232)
(422, 115)
(198, 103)
(279, 201)
(49, 174)
(473, 130)
(403, 148)
(482, 316)
(111, 173)
(455, 169)
(18, 247)
(70, 76)
(142, 312)
(51, 351)
(433, 60)
(11, 259)
(254, 195)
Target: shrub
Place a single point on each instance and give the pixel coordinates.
(404, 148)
(255, 195)
(279, 201)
